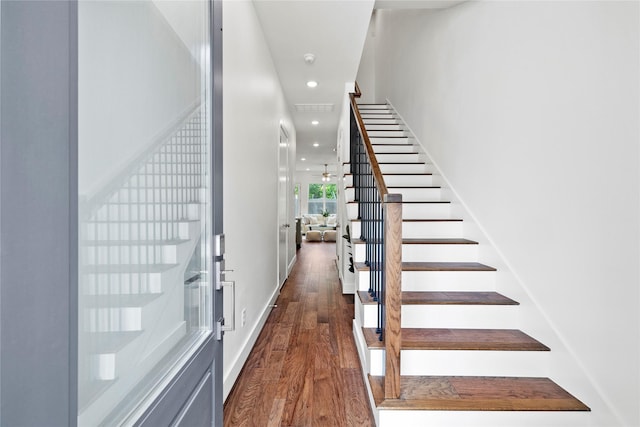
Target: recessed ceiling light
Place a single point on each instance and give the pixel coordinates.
(312, 83)
(303, 159)
(315, 123)
(315, 144)
(307, 169)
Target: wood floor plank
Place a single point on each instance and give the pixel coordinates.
(359, 414)
(276, 413)
(304, 368)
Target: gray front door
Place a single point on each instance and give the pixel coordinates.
(111, 179)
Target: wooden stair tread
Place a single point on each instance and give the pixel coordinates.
(418, 220)
(445, 298)
(460, 339)
(426, 241)
(399, 186)
(401, 163)
(392, 145)
(409, 202)
(400, 174)
(446, 393)
(436, 266)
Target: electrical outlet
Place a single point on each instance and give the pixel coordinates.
(243, 317)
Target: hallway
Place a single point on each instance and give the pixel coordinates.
(304, 369)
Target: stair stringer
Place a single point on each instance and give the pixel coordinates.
(564, 365)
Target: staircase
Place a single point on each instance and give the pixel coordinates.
(139, 268)
(463, 360)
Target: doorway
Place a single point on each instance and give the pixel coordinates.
(284, 191)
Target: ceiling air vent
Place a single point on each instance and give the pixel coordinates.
(314, 108)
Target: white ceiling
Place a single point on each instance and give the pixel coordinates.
(334, 31)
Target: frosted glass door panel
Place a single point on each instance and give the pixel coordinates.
(144, 292)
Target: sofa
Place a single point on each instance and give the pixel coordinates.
(310, 220)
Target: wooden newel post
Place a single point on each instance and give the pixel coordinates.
(393, 293)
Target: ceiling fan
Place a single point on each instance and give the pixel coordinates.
(326, 176)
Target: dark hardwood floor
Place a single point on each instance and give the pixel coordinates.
(304, 369)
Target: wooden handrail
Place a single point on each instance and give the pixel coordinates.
(392, 261)
(357, 93)
(375, 167)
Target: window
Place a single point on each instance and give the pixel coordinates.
(144, 288)
(322, 197)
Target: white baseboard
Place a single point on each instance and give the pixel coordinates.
(291, 264)
(233, 373)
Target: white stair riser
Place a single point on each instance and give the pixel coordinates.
(408, 180)
(148, 212)
(373, 106)
(171, 167)
(412, 211)
(415, 252)
(438, 280)
(183, 194)
(418, 194)
(474, 362)
(398, 168)
(172, 179)
(460, 316)
(404, 180)
(372, 127)
(136, 231)
(417, 180)
(394, 141)
(398, 158)
(465, 363)
(445, 316)
(122, 283)
(405, 168)
(379, 115)
(422, 229)
(379, 122)
(108, 366)
(131, 255)
(426, 211)
(351, 210)
(386, 133)
(103, 367)
(395, 148)
(395, 418)
(113, 319)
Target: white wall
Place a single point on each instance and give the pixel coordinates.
(366, 77)
(254, 106)
(136, 77)
(531, 111)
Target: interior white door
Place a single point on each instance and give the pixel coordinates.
(283, 192)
